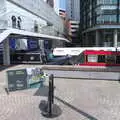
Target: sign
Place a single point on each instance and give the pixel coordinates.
(12, 43)
(35, 75)
(25, 78)
(17, 79)
(32, 44)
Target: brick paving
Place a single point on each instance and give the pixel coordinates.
(78, 99)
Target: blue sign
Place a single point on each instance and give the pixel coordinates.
(32, 44)
(12, 43)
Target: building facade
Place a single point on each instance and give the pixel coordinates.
(30, 16)
(100, 23)
(73, 27)
(73, 16)
(51, 3)
(57, 6)
(73, 9)
(31, 13)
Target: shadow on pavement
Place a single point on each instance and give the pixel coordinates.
(56, 110)
(42, 91)
(76, 109)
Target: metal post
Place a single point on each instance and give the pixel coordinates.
(6, 52)
(115, 38)
(51, 110)
(52, 87)
(50, 97)
(51, 94)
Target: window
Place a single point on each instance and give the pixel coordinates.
(92, 58)
(101, 59)
(109, 1)
(106, 19)
(109, 12)
(118, 59)
(110, 59)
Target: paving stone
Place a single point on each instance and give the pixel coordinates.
(78, 99)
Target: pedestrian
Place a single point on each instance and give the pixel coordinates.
(13, 18)
(19, 22)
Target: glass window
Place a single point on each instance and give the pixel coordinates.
(92, 58)
(118, 59)
(113, 19)
(99, 20)
(119, 18)
(101, 59)
(108, 19)
(110, 59)
(114, 1)
(109, 12)
(110, 1)
(106, 2)
(108, 38)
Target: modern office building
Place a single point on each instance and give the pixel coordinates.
(100, 22)
(73, 9)
(73, 27)
(73, 16)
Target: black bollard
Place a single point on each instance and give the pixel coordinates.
(50, 96)
(50, 109)
(52, 87)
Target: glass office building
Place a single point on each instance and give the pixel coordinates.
(100, 22)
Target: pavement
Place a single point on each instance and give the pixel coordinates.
(79, 99)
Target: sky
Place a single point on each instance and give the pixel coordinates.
(63, 4)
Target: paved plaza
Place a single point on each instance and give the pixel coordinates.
(78, 99)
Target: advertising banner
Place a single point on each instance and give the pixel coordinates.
(35, 75)
(17, 79)
(32, 44)
(25, 78)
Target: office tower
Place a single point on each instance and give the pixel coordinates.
(73, 9)
(73, 16)
(100, 22)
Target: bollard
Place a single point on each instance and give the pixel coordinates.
(50, 109)
(52, 87)
(50, 96)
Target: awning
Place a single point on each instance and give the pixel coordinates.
(22, 33)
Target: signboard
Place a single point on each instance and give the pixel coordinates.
(35, 75)
(32, 44)
(25, 78)
(12, 43)
(17, 79)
